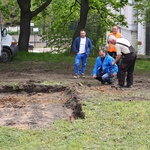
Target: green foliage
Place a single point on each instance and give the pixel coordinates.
(10, 12)
(142, 9)
(58, 28)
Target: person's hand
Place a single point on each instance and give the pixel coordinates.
(113, 63)
(94, 76)
(114, 74)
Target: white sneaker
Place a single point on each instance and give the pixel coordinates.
(75, 76)
(82, 76)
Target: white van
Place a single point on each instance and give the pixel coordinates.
(9, 46)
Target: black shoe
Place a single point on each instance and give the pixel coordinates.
(110, 82)
(128, 86)
(120, 86)
(102, 82)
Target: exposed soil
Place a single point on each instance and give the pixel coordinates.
(37, 98)
(33, 105)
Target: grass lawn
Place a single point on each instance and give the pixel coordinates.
(109, 124)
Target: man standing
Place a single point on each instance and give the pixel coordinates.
(128, 55)
(103, 70)
(111, 47)
(82, 47)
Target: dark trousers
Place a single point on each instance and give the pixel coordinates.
(104, 77)
(112, 54)
(126, 66)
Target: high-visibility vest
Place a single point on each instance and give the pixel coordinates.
(111, 47)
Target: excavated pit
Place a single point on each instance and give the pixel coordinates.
(33, 105)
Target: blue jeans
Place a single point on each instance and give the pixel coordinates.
(104, 77)
(78, 58)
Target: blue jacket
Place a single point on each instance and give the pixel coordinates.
(88, 45)
(106, 65)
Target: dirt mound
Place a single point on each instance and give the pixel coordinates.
(31, 87)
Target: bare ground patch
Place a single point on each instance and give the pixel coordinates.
(32, 105)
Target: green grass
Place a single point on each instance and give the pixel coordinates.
(143, 65)
(45, 61)
(25, 56)
(109, 125)
(30, 61)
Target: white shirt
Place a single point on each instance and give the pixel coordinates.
(121, 48)
(82, 45)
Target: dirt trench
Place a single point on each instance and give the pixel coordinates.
(33, 105)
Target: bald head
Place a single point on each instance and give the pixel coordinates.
(112, 39)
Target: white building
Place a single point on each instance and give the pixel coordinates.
(136, 33)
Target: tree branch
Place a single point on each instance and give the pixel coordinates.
(41, 8)
(71, 12)
(78, 2)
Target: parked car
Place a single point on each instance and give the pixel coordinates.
(30, 46)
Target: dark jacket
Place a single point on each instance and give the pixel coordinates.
(88, 45)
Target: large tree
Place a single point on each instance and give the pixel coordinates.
(26, 14)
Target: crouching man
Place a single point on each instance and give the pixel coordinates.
(103, 70)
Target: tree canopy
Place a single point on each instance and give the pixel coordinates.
(61, 21)
(142, 9)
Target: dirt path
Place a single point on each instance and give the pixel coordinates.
(26, 105)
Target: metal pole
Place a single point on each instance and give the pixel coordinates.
(34, 40)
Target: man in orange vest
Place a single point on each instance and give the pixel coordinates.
(111, 47)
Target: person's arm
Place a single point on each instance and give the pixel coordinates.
(118, 50)
(75, 46)
(90, 44)
(89, 47)
(115, 70)
(117, 59)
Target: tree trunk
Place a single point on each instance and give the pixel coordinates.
(26, 16)
(84, 9)
(24, 31)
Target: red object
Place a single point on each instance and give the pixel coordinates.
(70, 117)
(122, 67)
